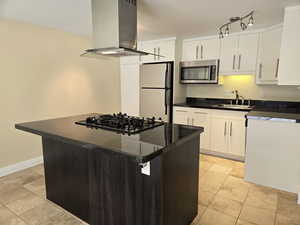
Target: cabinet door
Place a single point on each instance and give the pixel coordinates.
(181, 116)
(290, 48)
(247, 57)
(237, 137)
(149, 47)
(201, 119)
(210, 48)
(191, 50)
(228, 55)
(219, 134)
(166, 49)
(270, 43)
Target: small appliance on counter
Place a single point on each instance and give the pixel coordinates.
(199, 72)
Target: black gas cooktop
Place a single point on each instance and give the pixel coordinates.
(121, 123)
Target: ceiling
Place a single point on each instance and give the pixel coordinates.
(157, 18)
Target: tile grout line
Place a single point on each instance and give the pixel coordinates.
(15, 214)
(242, 206)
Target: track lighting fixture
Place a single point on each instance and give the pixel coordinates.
(232, 20)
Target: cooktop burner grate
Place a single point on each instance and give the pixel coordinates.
(121, 123)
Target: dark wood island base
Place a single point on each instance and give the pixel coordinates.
(103, 186)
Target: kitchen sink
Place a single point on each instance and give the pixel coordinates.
(232, 106)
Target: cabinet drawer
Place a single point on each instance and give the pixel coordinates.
(229, 114)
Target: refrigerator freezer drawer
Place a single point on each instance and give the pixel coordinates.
(153, 75)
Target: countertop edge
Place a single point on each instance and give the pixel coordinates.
(197, 131)
(211, 107)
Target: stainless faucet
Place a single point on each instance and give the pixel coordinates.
(236, 92)
(238, 97)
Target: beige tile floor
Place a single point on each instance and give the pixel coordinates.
(224, 199)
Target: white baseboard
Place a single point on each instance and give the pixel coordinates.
(20, 166)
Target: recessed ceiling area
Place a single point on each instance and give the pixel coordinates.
(157, 18)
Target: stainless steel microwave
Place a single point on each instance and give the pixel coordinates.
(200, 72)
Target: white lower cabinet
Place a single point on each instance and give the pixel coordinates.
(237, 137)
(194, 117)
(224, 131)
(219, 128)
(201, 119)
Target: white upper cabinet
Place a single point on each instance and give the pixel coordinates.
(290, 48)
(165, 48)
(269, 55)
(211, 48)
(190, 50)
(201, 49)
(228, 57)
(149, 47)
(239, 54)
(247, 53)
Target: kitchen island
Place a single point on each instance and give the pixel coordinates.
(105, 177)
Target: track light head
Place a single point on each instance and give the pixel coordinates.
(226, 31)
(221, 35)
(251, 21)
(243, 25)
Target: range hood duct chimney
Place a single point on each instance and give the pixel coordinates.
(114, 29)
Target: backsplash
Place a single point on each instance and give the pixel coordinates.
(247, 88)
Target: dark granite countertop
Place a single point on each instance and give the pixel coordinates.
(142, 147)
(210, 106)
(261, 109)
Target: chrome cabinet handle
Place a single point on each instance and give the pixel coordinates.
(225, 128)
(233, 65)
(240, 59)
(201, 51)
(154, 54)
(204, 113)
(230, 129)
(197, 52)
(260, 70)
(158, 53)
(277, 68)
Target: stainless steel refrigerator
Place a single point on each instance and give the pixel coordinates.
(156, 90)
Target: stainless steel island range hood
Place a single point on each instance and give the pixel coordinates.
(114, 29)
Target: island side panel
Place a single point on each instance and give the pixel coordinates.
(66, 176)
(152, 194)
(180, 182)
(115, 189)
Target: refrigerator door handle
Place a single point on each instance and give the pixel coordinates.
(167, 77)
(166, 101)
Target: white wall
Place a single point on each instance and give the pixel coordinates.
(43, 76)
(246, 87)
